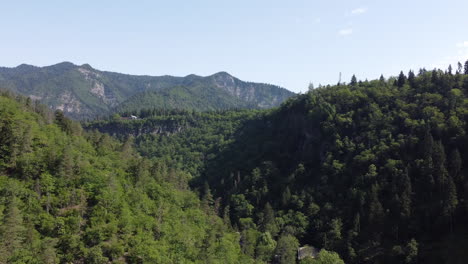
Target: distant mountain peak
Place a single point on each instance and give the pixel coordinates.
(192, 76)
(26, 66)
(222, 74)
(63, 64)
(87, 66)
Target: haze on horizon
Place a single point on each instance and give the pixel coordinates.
(284, 43)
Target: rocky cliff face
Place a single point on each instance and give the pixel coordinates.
(97, 87)
(124, 128)
(263, 95)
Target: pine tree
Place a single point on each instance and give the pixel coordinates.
(401, 79)
(207, 200)
(411, 251)
(435, 77)
(265, 247)
(460, 68)
(466, 67)
(455, 165)
(376, 212)
(12, 231)
(286, 197)
(353, 80)
(286, 248)
(440, 171)
(411, 78)
(426, 181)
(268, 223)
(450, 197)
(226, 216)
(382, 79)
(127, 149)
(405, 196)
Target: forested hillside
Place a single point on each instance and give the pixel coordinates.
(183, 139)
(375, 170)
(69, 196)
(83, 92)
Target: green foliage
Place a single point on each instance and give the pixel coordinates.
(373, 171)
(287, 249)
(356, 169)
(182, 139)
(324, 257)
(68, 196)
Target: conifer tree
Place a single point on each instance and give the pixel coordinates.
(455, 165)
(268, 223)
(353, 80)
(440, 171)
(401, 79)
(405, 196)
(207, 200)
(12, 231)
(382, 79)
(450, 198)
(286, 197)
(411, 78)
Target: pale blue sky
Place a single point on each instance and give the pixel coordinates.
(288, 42)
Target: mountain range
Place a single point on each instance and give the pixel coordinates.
(81, 91)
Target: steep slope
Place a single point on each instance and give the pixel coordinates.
(375, 171)
(199, 97)
(73, 197)
(83, 92)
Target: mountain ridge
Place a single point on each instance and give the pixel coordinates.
(82, 92)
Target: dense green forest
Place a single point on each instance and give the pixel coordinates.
(197, 136)
(69, 196)
(374, 170)
(199, 97)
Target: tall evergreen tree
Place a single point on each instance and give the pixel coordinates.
(450, 199)
(268, 223)
(411, 78)
(401, 79)
(353, 80)
(455, 166)
(382, 79)
(12, 231)
(311, 87)
(459, 68)
(405, 197)
(440, 171)
(287, 248)
(207, 200)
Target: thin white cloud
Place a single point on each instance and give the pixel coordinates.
(317, 20)
(359, 11)
(345, 32)
(462, 51)
(460, 55)
(463, 44)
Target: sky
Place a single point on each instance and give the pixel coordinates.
(289, 43)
